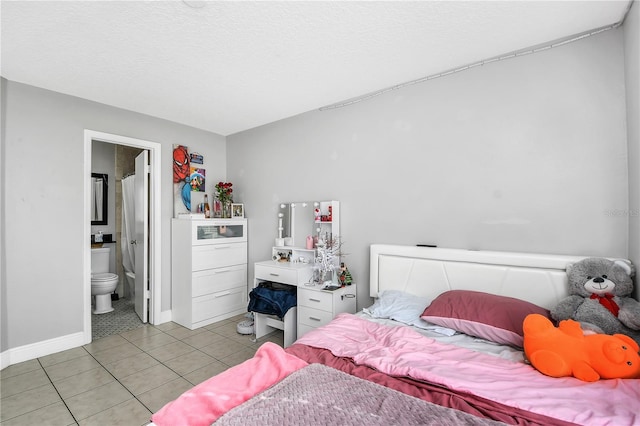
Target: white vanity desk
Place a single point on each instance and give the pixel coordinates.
(316, 307)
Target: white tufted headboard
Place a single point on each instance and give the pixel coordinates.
(427, 272)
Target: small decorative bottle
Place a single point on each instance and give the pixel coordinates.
(207, 210)
(217, 208)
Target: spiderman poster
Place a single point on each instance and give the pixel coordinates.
(181, 180)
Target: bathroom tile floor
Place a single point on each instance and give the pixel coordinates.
(123, 378)
(122, 318)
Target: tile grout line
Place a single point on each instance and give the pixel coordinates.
(114, 377)
(163, 363)
(122, 384)
(56, 389)
(129, 340)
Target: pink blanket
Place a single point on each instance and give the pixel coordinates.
(204, 403)
(400, 351)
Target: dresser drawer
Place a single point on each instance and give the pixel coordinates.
(273, 273)
(313, 317)
(218, 255)
(219, 279)
(211, 305)
(315, 299)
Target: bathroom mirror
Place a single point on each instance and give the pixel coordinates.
(99, 198)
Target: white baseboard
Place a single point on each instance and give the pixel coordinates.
(39, 349)
(48, 347)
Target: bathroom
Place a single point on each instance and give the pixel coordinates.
(114, 161)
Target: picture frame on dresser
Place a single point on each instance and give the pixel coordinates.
(237, 210)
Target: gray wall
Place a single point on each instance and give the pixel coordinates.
(632, 70)
(45, 207)
(3, 264)
(528, 154)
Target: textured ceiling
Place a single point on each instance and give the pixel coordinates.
(230, 66)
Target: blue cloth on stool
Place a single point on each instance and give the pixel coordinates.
(267, 300)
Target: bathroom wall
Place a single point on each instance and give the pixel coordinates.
(102, 161)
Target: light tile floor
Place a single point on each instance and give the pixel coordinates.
(123, 378)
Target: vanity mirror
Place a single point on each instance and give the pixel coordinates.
(302, 219)
(295, 223)
(301, 222)
(99, 191)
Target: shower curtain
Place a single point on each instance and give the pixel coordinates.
(128, 230)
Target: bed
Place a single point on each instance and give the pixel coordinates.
(440, 345)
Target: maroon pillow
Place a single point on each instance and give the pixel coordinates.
(495, 318)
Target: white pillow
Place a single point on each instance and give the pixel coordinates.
(405, 308)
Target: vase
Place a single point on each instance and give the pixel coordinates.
(217, 208)
(335, 280)
(226, 209)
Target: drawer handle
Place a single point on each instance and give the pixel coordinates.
(221, 247)
(315, 319)
(226, 293)
(274, 275)
(221, 271)
(314, 300)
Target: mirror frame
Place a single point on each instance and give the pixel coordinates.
(105, 179)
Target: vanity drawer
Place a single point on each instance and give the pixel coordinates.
(313, 317)
(315, 299)
(205, 307)
(273, 273)
(219, 279)
(218, 255)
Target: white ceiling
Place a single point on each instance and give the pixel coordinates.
(230, 66)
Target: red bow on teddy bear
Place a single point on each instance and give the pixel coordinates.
(608, 302)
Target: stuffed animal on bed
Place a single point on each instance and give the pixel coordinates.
(566, 351)
(600, 291)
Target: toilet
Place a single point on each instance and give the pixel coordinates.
(103, 282)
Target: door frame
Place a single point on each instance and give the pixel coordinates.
(155, 247)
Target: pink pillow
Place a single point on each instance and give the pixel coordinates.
(495, 318)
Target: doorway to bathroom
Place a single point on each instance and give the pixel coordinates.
(137, 296)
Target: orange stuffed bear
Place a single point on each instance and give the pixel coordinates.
(565, 351)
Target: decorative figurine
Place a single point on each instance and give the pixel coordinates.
(345, 275)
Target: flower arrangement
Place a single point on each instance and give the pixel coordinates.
(327, 258)
(225, 192)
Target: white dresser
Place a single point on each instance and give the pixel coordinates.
(208, 270)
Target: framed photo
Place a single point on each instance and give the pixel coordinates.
(237, 210)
